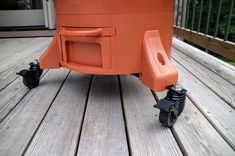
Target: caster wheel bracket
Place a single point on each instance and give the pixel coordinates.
(171, 106)
(32, 75)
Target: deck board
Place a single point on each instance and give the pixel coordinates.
(17, 92)
(207, 77)
(146, 135)
(20, 125)
(10, 47)
(103, 131)
(9, 101)
(9, 67)
(221, 68)
(58, 134)
(220, 115)
(196, 135)
(110, 116)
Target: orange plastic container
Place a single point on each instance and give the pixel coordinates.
(114, 37)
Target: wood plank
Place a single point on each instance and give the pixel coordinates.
(11, 95)
(146, 135)
(221, 68)
(220, 115)
(8, 42)
(8, 99)
(217, 84)
(9, 67)
(218, 46)
(32, 33)
(22, 51)
(196, 135)
(19, 126)
(12, 47)
(103, 131)
(6, 46)
(59, 131)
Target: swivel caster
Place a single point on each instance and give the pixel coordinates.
(32, 75)
(171, 106)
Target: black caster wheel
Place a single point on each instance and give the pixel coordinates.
(167, 119)
(171, 106)
(31, 76)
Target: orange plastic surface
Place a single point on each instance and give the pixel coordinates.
(106, 37)
(156, 64)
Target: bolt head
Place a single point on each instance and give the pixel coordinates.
(178, 87)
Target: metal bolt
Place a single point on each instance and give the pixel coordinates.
(178, 87)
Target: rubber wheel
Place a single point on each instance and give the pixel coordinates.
(30, 82)
(32, 78)
(167, 119)
(181, 107)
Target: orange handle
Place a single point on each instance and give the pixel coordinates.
(82, 33)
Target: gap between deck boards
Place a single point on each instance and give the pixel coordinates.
(135, 105)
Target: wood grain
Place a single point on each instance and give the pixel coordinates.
(20, 125)
(219, 67)
(11, 95)
(196, 135)
(146, 135)
(220, 115)
(10, 47)
(59, 131)
(31, 33)
(19, 61)
(217, 84)
(103, 131)
(22, 51)
(49, 121)
(218, 46)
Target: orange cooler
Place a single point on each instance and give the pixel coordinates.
(112, 37)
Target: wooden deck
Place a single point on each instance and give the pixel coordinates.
(76, 114)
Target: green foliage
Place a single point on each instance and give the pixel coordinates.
(224, 15)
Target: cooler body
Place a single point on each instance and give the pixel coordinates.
(111, 37)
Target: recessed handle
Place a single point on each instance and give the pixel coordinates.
(82, 33)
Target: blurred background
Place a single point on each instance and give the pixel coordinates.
(26, 14)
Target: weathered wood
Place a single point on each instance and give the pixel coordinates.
(219, 67)
(36, 126)
(59, 131)
(220, 115)
(103, 131)
(22, 51)
(6, 44)
(33, 33)
(11, 95)
(8, 47)
(217, 84)
(19, 126)
(196, 136)
(146, 135)
(219, 46)
(19, 61)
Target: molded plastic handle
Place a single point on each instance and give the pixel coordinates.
(82, 33)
